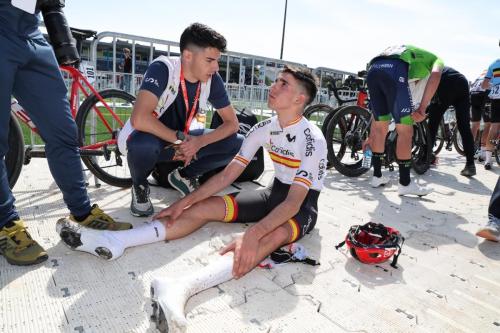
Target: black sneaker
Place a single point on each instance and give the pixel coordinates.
(141, 204)
(469, 170)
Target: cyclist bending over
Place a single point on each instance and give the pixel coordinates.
(401, 81)
(453, 90)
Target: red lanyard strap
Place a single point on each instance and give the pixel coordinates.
(189, 115)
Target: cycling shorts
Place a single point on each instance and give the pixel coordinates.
(252, 206)
(478, 107)
(495, 111)
(389, 91)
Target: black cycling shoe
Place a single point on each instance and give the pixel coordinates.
(469, 170)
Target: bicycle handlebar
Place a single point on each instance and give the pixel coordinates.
(335, 92)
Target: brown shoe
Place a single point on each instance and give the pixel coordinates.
(17, 246)
(101, 221)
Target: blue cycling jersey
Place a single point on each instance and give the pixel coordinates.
(494, 75)
(494, 72)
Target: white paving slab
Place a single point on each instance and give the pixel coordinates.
(448, 280)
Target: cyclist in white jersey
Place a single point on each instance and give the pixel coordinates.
(284, 212)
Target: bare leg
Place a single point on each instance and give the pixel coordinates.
(486, 132)
(405, 134)
(196, 216)
(378, 132)
(492, 135)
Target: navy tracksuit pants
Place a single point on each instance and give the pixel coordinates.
(29, 72)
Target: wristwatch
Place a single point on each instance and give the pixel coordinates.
(180, 137)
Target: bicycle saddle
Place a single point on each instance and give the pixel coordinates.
(81, 34)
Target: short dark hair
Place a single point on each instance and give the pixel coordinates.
(306, 79)
(202, 36)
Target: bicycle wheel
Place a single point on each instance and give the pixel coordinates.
(99, 149)
(345, 133)
(421, 148)
(440, 138)
(457, 142)
(15, 155)
(319, 114)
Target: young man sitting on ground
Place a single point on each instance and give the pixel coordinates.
(284, 212)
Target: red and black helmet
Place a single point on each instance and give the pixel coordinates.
(373, 243)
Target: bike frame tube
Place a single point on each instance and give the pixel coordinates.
(77, 79)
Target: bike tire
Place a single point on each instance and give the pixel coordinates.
(421, 148)
(103, 168)
(440, 138)
(322, 112)
(345, 133)
(328, 118)
(457, 142)
(14, 158)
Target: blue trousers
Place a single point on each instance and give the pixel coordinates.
(144, 150)
(30, 73)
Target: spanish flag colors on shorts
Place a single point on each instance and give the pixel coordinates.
(231, 208)
(295, 230)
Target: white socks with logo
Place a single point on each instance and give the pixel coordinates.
(147, 233)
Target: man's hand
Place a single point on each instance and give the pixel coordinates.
(245, 253)
(171, 213)
(419, 115)
(189, 148)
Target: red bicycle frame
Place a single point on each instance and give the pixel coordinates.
(76, 85)
(362, 98)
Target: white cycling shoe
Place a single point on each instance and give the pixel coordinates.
(379, 181)
(414, 189)
(100, 243)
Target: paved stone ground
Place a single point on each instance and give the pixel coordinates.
(448, 279)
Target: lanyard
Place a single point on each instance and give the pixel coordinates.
(189, 115)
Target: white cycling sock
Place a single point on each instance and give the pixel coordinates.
(172, 294)
(487, 157)
(147, 233)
